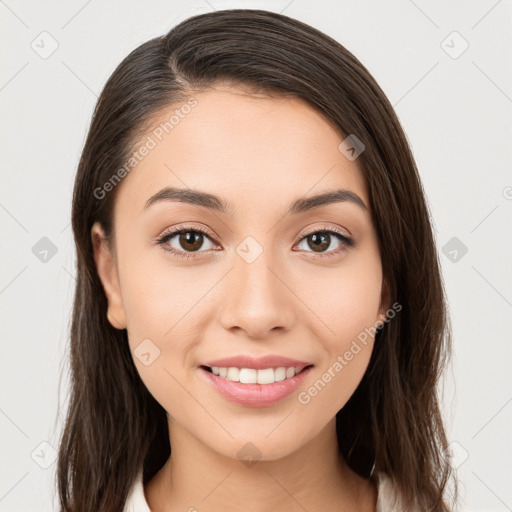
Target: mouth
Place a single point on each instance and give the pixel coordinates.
(249, 387)
(264, 376)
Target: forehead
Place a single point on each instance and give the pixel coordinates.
(254, 151)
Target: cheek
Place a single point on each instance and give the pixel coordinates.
(335, 383)
(165, 311)
(160, 298)
(347, 300)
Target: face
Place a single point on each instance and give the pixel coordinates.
(256, 278)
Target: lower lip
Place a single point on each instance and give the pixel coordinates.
(256, 395)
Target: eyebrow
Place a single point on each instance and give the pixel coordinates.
(212, 202)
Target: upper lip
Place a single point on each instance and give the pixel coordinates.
(258, 363)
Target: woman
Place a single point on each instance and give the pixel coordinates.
(259, 319)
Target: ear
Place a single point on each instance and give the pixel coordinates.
(107, 272)
(385, 303)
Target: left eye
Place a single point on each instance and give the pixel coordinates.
(322, 241)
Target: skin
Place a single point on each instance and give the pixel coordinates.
(260, 154)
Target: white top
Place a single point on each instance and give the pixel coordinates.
(136, 501)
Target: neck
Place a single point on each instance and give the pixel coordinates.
(315, 477)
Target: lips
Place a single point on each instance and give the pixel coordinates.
(255, 395)
(258, 363)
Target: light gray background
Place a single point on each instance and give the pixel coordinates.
(455, 109)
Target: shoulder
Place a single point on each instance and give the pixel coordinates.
(388, 499)
(136, 501)
(387, 496)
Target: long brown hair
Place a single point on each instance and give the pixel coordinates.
(393, 421)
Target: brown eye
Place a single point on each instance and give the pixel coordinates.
(183, 241)
(191, 240)
(319, 242)
(323, 242)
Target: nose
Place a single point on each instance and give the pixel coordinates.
(257, 298)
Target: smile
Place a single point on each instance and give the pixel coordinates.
(254, 376)
(272, 389)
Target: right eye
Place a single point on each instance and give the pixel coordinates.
(184, 241)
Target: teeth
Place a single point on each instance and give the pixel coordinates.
(253, 376)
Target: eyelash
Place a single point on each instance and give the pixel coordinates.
(347, 242)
